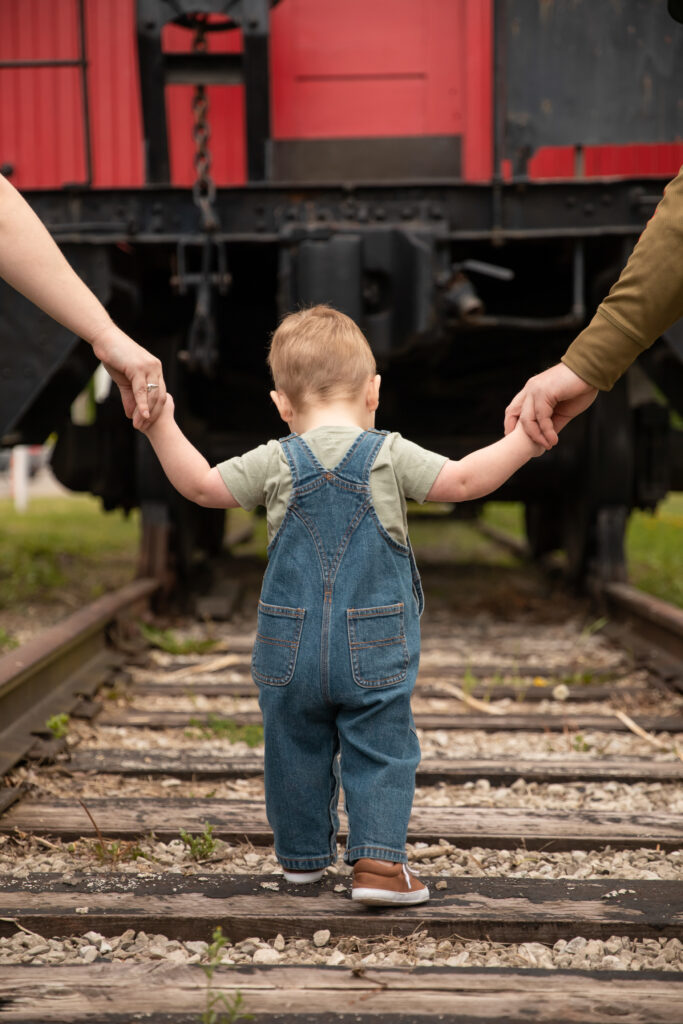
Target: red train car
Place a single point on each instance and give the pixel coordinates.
(464, 177)
(359, 69)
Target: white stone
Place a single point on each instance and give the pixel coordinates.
(321, 938)
(613, 944)
(156, 951)
(197, 946)
(279, 943)
(535, 952)
(38, 948)
(177, 956)
(577, 944)
(336, 958)
(612, 963)
(459, 960)
(267, 955)
(89, 953)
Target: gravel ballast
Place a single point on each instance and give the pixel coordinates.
(418, 950)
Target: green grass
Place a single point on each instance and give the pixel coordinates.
(58, 725)
(63, 543)
(7, 641)
(201, 846)
(442, 537)
(218, 728)
(166, 640)
(654, 544)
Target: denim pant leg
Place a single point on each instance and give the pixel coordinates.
(380, 753)
(301, 779)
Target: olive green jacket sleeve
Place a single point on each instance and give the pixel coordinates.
(647, 298)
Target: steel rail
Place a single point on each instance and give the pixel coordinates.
(656, 621)
(48, 674)
(649, 618)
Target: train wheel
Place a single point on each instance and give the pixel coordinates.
(586, 514)
(597, 504)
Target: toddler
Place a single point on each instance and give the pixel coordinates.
(338, 636)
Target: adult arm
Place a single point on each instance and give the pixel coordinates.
(31, 262)
(644, 302)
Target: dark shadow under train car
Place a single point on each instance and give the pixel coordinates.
(465, 178)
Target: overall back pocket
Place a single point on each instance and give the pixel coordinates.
(377, 640)
(278, 633)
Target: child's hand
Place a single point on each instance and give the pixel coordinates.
(164, 416)
(536, 448)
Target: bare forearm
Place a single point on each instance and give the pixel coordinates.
(185, 467)
(31, 262)
(483, 471)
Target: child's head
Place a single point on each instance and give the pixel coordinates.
(320, 355)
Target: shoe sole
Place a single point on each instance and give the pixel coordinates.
(304, 878)
(385, 898)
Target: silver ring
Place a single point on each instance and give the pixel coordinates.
(150, 387)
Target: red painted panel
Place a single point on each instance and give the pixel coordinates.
(359, 68)
(40, 113)
(654, 159)
(478, 86)
(114, 90)
(608, 161)
(339, 68)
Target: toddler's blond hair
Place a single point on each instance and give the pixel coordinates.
(320, 353)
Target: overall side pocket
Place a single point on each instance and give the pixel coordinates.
(377, 642)
(278, 634)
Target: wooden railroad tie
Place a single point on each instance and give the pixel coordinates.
(574, 721)
(529, 693)
(166, 993)
(189, 907)
(498, 770)
(238, 820)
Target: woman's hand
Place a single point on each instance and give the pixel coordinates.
(133, 369)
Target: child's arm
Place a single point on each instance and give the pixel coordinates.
(485, 470)
(185, 467)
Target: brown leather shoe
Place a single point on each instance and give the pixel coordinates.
(379, 883)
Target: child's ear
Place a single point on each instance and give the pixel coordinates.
(372, 397)
(283, 405)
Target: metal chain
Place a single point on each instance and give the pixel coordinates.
(204, 188)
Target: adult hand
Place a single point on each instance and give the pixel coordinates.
(132, 368)
(547, 402)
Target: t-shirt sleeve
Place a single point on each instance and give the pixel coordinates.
(245, 476)
(416, 468)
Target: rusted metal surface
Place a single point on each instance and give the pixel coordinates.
(42, 677)
(654, 620)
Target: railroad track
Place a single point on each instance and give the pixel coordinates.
(548, 830)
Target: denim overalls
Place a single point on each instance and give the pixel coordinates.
(335, 659)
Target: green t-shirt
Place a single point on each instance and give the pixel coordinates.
(401, 470)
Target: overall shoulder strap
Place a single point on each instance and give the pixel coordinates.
(359, 459)
(302, 461)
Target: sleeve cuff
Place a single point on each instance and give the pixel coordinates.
(427, 478)
(234, 481)
(601, 353)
